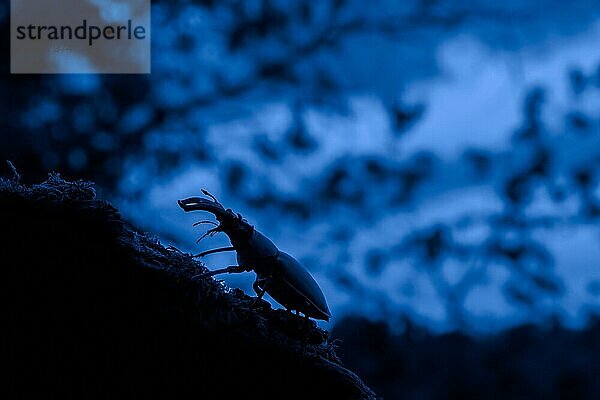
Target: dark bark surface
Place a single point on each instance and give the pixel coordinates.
(96, 307)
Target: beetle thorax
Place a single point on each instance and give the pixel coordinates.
(255, 250)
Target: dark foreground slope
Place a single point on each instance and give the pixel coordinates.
(95, 307)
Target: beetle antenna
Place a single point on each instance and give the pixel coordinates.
(201, 237)
(210, 232)
(207, 193)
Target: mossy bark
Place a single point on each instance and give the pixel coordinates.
(96, 307)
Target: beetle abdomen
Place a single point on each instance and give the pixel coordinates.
(296, 289)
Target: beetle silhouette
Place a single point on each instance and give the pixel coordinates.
(277, 273)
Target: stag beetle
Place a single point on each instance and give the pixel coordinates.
(277, 273)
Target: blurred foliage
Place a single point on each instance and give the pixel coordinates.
(214, 63)
(205, 54)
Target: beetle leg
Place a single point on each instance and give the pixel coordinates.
(233, 269)
(260, 292)
(257, 289)
(219, 250)
(205, 222)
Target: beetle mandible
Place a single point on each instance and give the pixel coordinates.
(277, 273)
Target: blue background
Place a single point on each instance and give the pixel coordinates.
(430, 160)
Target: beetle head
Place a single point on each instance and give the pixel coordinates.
(235, 225)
